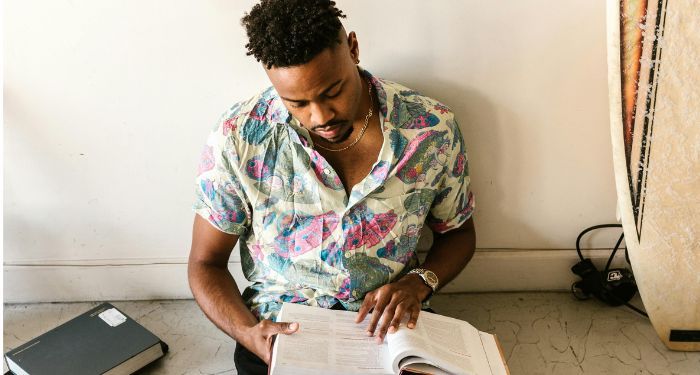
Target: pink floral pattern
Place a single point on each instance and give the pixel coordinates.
(303, 238)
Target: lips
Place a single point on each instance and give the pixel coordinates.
(329, 132)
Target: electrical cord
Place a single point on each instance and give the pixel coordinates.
(612, 255)
(580, 296)
(578, 239)
(638, 310)
(607, 268)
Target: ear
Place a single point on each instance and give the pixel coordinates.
(354, 47)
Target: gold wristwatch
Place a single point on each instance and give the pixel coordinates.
(429, 278)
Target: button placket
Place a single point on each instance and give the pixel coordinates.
(346, 224)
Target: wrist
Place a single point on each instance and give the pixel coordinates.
(243, 332)
(428, 277)
(245, 335)
(423, 291)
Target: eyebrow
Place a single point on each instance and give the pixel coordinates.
(334, 84)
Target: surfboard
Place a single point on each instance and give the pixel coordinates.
(654, 92)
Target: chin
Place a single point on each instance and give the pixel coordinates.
(342, 137)
(336, 140)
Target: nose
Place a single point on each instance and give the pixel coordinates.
(321, 114)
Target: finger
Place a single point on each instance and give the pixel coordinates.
(287, 328)
(379, 307)
(270, 328)
(414, 318)
(385, 321)
(398, 317)
(367, 305)
(268, 355)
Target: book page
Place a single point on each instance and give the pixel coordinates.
(417, 365)
(450, 344)
(328, 341)
(493, 354)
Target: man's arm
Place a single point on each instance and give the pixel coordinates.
(217, 294)
(450, 253)
(447, 257)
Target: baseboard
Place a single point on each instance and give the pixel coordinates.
(490, 270)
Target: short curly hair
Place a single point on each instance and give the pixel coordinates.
(284, 33)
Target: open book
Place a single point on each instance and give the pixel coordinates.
(330, 342)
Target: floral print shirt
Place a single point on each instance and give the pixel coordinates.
(303, 239)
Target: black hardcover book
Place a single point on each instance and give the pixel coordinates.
(103, 340)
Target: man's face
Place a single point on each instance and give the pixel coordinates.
(323, 94)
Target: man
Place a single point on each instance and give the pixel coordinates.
(326, 178)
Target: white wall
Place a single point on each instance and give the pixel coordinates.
(108, 103)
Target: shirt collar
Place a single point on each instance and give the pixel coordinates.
(387, 159)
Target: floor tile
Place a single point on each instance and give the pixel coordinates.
(541, 333)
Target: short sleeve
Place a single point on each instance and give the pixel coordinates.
(219, 196)
(454, 202)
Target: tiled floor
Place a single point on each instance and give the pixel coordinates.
(541, 333)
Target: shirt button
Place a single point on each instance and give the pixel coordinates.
(347, 254)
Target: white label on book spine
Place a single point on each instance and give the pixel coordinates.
(112, 317)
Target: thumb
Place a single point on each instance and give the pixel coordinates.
(287, 327)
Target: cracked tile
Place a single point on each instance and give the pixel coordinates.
(541, 333)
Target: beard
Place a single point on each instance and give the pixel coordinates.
(344, 131)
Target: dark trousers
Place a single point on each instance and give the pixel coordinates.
(248, 363)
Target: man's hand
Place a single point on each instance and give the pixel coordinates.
(391, 302)
(260, 337)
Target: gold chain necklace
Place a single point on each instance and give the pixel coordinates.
(362, 132)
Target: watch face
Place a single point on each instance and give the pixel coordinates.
(431, 278)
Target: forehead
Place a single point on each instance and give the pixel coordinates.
(312, 78)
